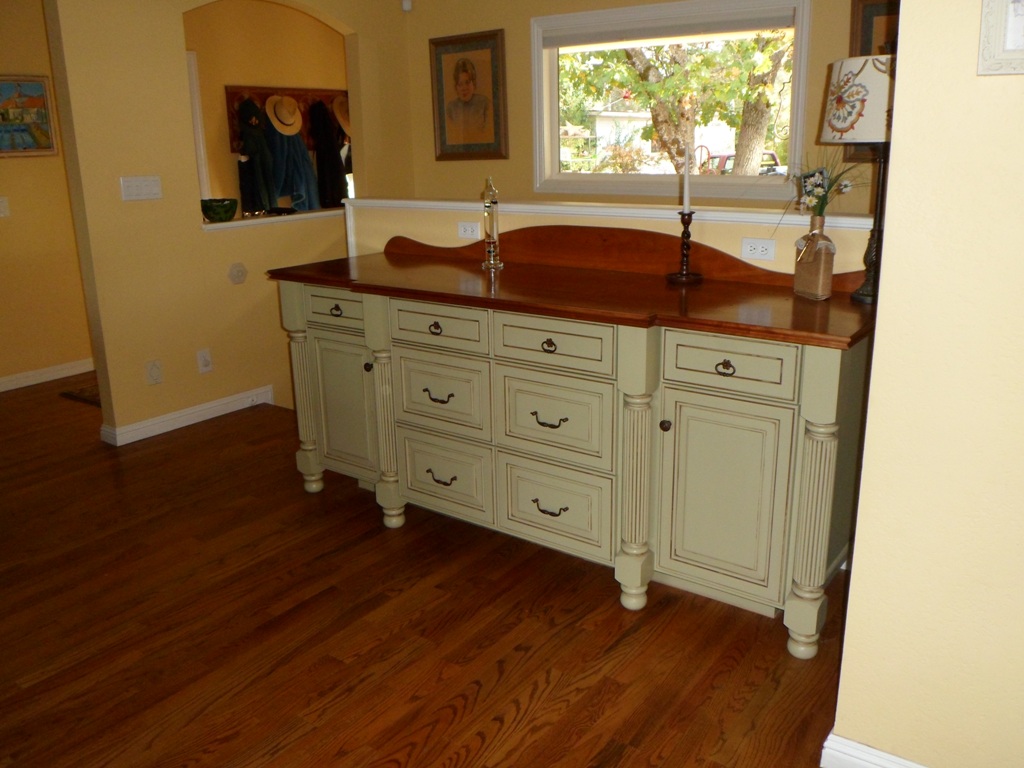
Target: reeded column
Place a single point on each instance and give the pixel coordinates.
(306, 459)
(387, 488)
(806, 603)
(634, 563)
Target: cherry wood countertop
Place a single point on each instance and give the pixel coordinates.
(607, 275)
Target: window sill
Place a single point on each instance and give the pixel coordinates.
(253, 221)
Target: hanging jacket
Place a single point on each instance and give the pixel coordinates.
(327, 141)
(293, 170)
(255, 165)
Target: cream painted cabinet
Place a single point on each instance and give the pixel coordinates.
(757, 471)
(508, 421)
(346, 425)
(333, 381)
(726, 467)
(728, 415)
(548, 429)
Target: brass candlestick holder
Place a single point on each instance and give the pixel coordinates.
(684, 276)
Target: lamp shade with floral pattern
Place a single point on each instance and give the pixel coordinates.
(859, 105)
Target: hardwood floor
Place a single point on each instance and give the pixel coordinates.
(181, 601)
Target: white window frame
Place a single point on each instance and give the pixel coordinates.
(548, 33)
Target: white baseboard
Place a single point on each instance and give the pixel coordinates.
(194, 415)
(28, 378)
(843, 753)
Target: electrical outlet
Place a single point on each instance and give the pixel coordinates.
(469, 230)
(154, 372)
(757, 248)
(204, 361)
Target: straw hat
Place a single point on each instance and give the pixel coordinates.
(283, 113)
(340, 109)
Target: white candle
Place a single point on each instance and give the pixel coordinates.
(686, 183)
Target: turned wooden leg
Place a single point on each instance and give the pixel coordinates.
(634, 563)
(806, 604)
(307, 459)
(387, 487)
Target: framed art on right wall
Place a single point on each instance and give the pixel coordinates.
(1001, 51)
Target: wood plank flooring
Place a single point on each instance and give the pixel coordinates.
(181, 601)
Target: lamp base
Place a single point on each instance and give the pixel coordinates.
(868, 291)
(864, 295)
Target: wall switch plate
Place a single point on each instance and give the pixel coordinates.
(469, 230)
(759, 249)
(141, 188)
(5, 207)
(154, 372)
(204, 361)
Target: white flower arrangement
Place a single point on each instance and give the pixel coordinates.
(820, 187)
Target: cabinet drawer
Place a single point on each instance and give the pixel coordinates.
(333, 306)
(440, 325)
(567, 509)
(447, 475)
(443, 391)
(764, 368)
(565, 343)
(562, 417)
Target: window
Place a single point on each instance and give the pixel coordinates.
(619, 93)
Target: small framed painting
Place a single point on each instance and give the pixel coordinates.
(1002, 38)
(467, 77)
(26, 117)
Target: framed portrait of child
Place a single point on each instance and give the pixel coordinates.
(467, 74)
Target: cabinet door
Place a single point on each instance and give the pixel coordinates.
(725, 492)
(347, 432)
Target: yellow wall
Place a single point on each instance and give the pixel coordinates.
(156, 278)
(42, 308)
(249, 42)
(514, 176)
(933, 669)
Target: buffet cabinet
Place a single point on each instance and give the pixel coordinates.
(707, 461)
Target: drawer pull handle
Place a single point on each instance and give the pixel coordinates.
(548, 512)
(725, 368)
(664, 425)
(435, 328)
(561, 421)
(337, 311)
(549, 346)
(441, 482)
(433, 399)
(367, 367)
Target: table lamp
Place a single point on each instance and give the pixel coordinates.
(859, 111)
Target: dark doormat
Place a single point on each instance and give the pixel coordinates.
(90, 395)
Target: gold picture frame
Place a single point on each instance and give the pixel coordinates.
(467, 79)
(27, 121)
